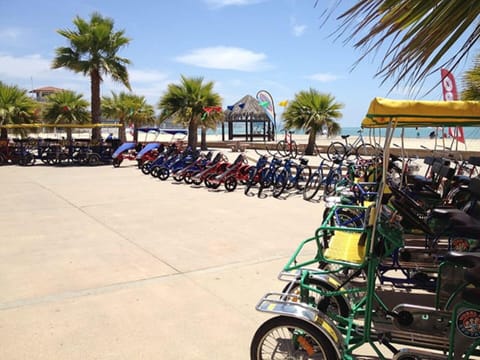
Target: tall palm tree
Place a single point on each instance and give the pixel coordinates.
(66, 107)
(311, 111)
(93, 51)
(16, 107)
(413, 35)
(471, 82)
(185, 103)
(128, 109)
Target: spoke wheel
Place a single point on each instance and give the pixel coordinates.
(312, 186)
(336, 150)
(230, 183)
(285, 337)
(163, 173)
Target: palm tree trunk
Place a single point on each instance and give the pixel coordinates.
(309, 150)
(95, 103)
(203, 141)
(192, 133)
(122, 132)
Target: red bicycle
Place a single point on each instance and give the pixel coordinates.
(287, 147)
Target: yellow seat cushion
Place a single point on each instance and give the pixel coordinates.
(344, 246)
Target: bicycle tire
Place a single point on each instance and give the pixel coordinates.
(281, 179)
(280, 336)
(302, 178)
(366, 151)
(312, 186)
(230, 183)
(163, 173)
(336, 150)
(252, 174)
(282, 148)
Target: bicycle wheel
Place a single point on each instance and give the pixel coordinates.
(252, 176)
(163, 173)
(282, 148)
(281, 179)
(312, 186)
(366, 151)
(179, 176)
(331, 184)
(230, 183)
(302, 177)
(210, 183)
(285, 337)
(336, 150)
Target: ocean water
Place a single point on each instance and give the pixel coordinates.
(424, 132)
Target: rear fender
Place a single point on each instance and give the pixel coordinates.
(287, 305)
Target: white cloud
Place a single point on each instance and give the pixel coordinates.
(10, 34)
(34, 71)
(225, 58)
(224, 3)
(297, 29)
(323, 77)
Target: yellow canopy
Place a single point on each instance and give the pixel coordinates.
(411, 113)
(62, 126)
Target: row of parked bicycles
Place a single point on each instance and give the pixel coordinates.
(275, 175)
(26, 152)
(393, 270)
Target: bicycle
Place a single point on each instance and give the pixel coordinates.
(287, 147)
(319, 178)
(291, 175)
(358, 149)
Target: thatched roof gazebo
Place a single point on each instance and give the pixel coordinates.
(247, 119)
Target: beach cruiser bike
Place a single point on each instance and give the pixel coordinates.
(388, 323)
(358, 149)
(287, 147)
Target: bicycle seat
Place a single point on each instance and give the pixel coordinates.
(465, 259)
(345, 136)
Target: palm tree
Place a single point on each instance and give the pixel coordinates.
(128, 109)
(471, 82)
(185, 103)
(16, 107)
(311, 111)
(93, 51)
(66, 107)
(417, 34)
(209, 120)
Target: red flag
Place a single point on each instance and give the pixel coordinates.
(449, 89)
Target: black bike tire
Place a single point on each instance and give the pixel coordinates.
(302, 178)
(281, 180)
(282, 148)
(336, 150)
(366, 151)
(312, 186)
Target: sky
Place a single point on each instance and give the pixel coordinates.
(243, 46)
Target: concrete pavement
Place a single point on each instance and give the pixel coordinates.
(104, 263)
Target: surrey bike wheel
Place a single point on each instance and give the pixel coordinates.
(336, 150)
(284, 337)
